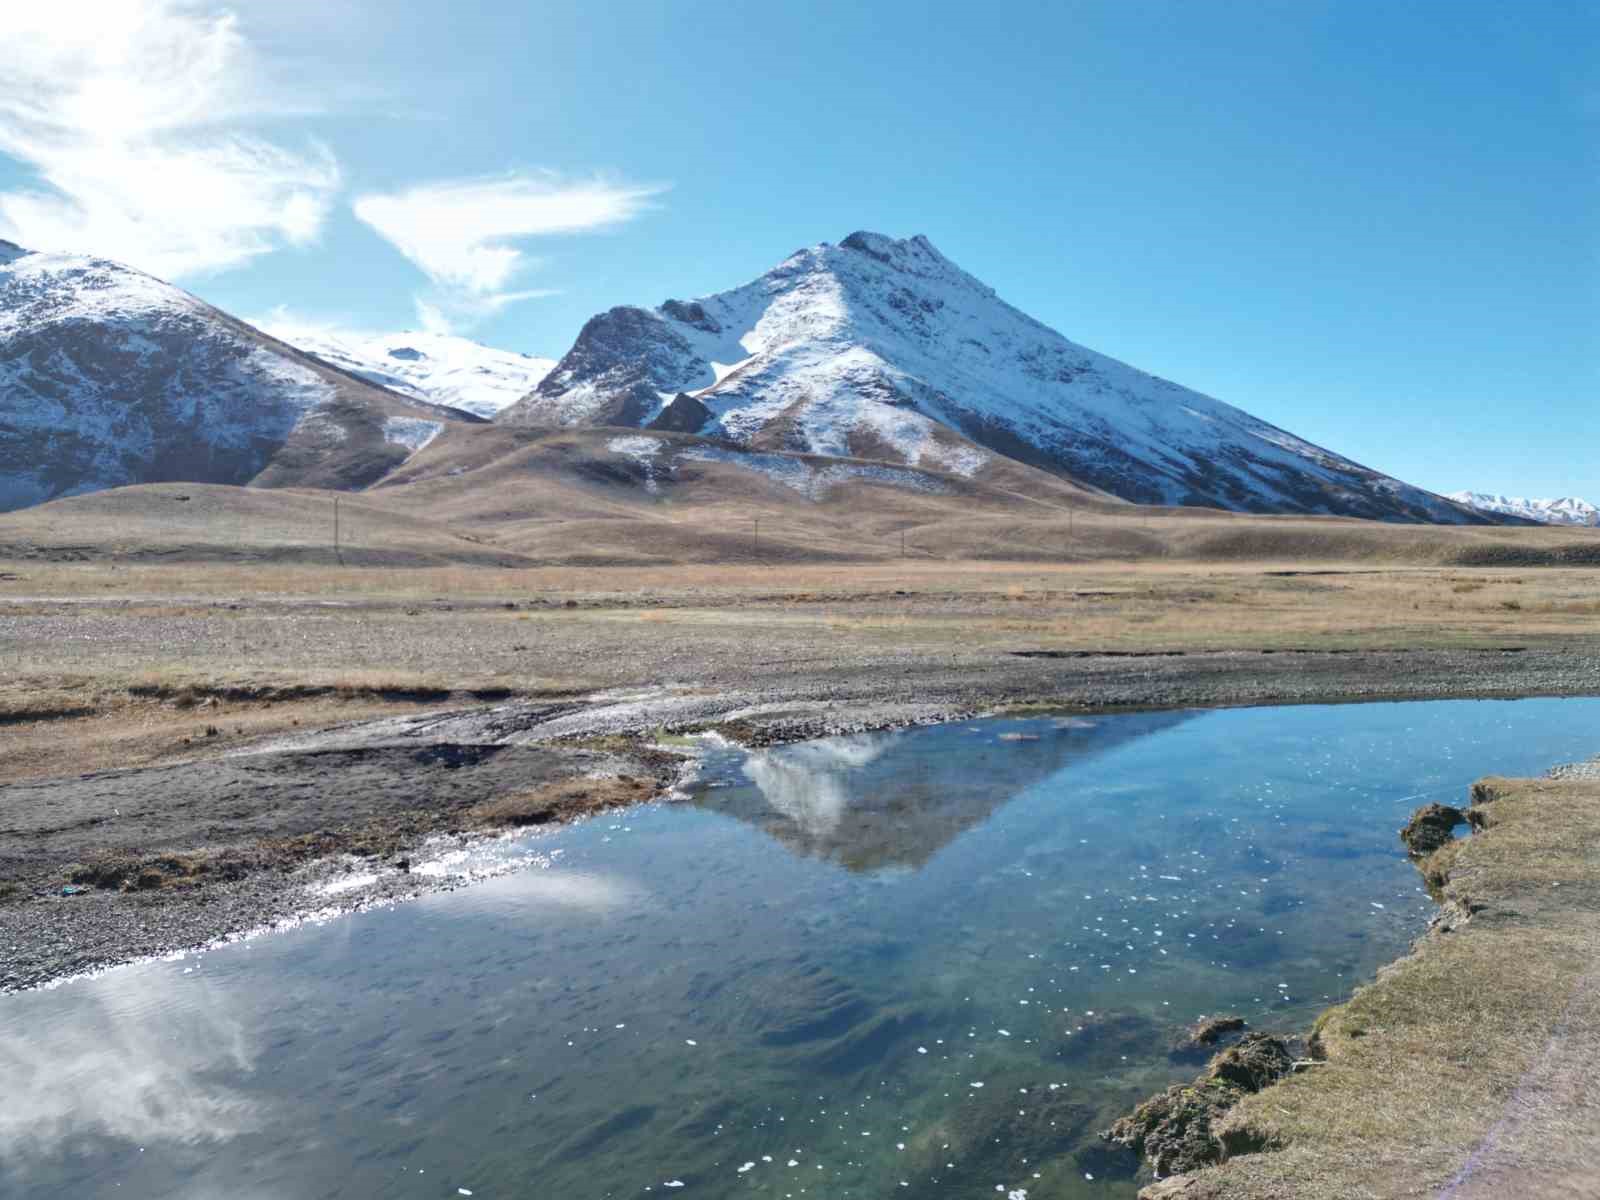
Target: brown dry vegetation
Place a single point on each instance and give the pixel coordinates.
(564, 800)
(1469, 1060)
(493, 496)
(109, 663)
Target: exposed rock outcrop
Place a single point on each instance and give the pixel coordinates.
(1430, 827)
(1174, 1130)
(684, 414)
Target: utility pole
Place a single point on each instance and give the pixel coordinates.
(756, 543)
(902, 543)
(336, 554)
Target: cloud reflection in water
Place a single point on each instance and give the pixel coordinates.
(137, 1055)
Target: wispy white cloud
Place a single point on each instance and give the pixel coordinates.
(133, 116)
(303, 329)
(463, 234)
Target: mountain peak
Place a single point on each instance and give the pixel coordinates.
(881, 348)
(112, 377)
(440, 368)
(895, 251)
(874, 244)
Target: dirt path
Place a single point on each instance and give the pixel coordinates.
(1546, 1144)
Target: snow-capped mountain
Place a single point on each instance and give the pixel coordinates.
(109, 376)
(428, 366)
(884, 349)
(1568, 510)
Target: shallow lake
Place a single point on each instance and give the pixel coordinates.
(930, 962)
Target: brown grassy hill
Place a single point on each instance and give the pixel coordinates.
(600, 497)
(198, 522)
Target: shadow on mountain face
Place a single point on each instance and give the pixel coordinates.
(873, 801)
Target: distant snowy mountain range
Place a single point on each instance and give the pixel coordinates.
(884, 349)
(426, 366)
(1568, 510)
(109, 376)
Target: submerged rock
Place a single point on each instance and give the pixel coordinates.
(1000, 1133)
(1174, 1130)
(1430, 827)
(1108, 1039)
(810, 1005)
(591, 1140)
(870, 1041)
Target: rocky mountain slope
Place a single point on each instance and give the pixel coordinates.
(884, 349)
(1568, 510)
(435, 367)
(109, 376)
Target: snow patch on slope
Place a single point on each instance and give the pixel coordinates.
(439, 368)
(644, 451)
(411, 432)
(812, 481)
(660, 459)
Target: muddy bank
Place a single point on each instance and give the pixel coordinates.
(102, 868)
(1465, 1069)
(230, 836)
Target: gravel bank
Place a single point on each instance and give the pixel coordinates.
(249, 834)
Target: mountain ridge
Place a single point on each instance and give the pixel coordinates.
(110, 376)
(1565, 510)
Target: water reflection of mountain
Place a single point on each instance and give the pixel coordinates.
(869, 801)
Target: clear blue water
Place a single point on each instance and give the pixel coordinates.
(791, 986)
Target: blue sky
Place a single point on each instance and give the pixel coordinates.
(1371, 224)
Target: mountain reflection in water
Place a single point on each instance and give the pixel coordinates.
(880, 800)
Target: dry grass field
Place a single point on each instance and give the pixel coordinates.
(523, 563)
(112, 663)
(549, 564)
(371, 629)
